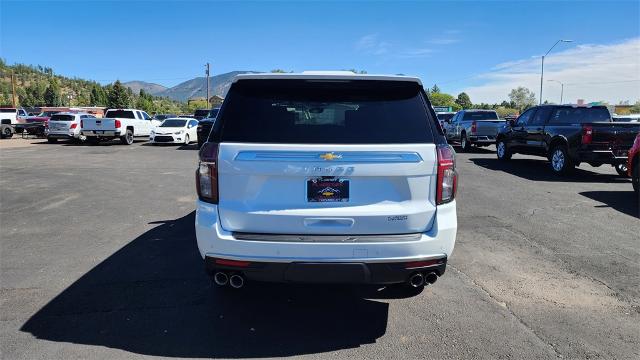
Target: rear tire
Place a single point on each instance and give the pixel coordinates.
(52, 140)
(621, 169)
(464, 143)
(502, 151)
(560, 161)
(7, 133)
(127, 139)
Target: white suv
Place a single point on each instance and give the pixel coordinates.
(327, 178)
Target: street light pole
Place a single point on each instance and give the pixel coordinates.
(542, 69)
(561, 89)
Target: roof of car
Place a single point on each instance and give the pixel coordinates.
(327, 75)
(71, 113)
(181, 118)
(479, 110)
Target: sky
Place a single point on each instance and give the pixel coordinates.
(484, 48)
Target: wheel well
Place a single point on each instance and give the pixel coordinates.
(557, 141)
(130, 128)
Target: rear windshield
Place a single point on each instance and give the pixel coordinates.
(62, 118)
(173, 123)
(579, 115)
(201, 113)
(126, 114)
(480, 115)
(7, 110)
(444, 117)
(323, 112)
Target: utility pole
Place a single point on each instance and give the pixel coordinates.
(561, 89)
(542, 69)
(13, 90)
(207, 72)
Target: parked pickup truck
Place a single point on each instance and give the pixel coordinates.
(473, 127)
(569, 135)
(12, 116)
(124, 124)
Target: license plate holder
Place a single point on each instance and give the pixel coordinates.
(327, 189)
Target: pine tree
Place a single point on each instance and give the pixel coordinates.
(118, 97)
(464, 101)
(52, 96)
(435, 89)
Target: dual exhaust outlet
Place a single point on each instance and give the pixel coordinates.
(419, 279)
(236, 281)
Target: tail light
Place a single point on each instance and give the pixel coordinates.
(207, 173)
(474, 127)
(81, 123)
(587, 134)
(117, 122)
(447, 181)
(73, 126)
(46, 124)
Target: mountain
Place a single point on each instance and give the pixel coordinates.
(196, 87)
(149, 88)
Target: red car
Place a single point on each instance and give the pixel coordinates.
(633, 164)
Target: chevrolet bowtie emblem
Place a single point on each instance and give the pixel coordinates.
(330, 156)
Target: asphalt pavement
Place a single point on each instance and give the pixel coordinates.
(98, 260)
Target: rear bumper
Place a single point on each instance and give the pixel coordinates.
(101, 133)
(368, 262)
(331, 272)
(482, 139)
(60, 135)
(603, 156)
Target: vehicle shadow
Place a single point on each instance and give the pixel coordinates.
(192, 146)
(152, 297)
(625, 202)
(538, 170)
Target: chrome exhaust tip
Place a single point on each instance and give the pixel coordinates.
(236, 281)
(416, 280)
(431, 277)
(221, 278)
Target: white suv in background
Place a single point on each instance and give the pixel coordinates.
(327, 178)
(66, 126)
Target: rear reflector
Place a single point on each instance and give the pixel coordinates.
(234, 263)
(425, 263)
(447, 181)
(587, 134)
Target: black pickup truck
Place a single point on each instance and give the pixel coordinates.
(567, 136)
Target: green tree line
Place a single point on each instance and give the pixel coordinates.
(38, 86)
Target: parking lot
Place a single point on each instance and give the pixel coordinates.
(99, 260)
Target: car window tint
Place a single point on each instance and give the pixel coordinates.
(524, 118)
(541, 115)
(579, 115)
(324, 112)
(124, 114)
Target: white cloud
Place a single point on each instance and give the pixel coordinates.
(415, 53)
(371, 44)
(591, 72)
(444, 41)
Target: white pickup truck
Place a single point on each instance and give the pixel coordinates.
(124, 124)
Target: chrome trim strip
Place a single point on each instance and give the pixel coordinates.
(324, 259)
(340, 156)
(327, 238)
